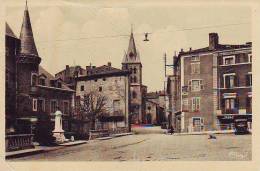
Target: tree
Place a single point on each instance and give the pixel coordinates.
(93, 107)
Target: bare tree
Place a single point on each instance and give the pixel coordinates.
(93, 106)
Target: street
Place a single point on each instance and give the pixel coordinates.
(154, 147)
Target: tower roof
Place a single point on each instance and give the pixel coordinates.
(26, 36)
(9, 31)
(132, 55)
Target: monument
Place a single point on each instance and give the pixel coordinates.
(58, 132)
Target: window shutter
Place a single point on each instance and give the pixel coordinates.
(236, 81)
(223, 103)
(247, 80)
(189, 87)
(202, 121)
(201, 85)
(191, 104)
(237, 103)
(227, 82)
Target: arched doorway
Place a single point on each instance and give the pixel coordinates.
(149, 118)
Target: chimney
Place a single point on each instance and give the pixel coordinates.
(67, 71)
(190, 49)
(109, 64)
(181, 50)
(213, 41)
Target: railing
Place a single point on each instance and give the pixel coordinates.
(118, 130)
(93, 134)
(18, 142)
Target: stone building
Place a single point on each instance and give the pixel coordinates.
(69, 74)
(213, 85)
(12, 44)
(112, 84)
(37, 91)
(132, 62)
(155, 108)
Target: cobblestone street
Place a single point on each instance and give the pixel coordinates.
(152, 147)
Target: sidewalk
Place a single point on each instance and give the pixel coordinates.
(114, 136)
(206, 132)
(41, 149)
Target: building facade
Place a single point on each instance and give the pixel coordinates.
(37, 91)
(12, 44)
(215, 86)
(132, 62)
(113, 85)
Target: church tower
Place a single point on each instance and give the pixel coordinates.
(28, 62)
(131, 62)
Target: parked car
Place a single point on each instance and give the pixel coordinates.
(241, 126)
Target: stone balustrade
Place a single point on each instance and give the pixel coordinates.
(18, 142)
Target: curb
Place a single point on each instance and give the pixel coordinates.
(39, 150)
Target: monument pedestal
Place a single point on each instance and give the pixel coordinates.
(58, 132)
(59, 135)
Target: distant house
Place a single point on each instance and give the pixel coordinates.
(113, 84)
(213, 86)
(155, 107)
(69, 74)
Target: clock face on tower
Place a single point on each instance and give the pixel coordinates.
(131, 54)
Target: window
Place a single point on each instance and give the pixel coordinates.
(228, 60)
(116, 105)
(53, 106)
(230, 80)
(82, 88)
(34, 104)
(135, 70)
(196, 85)
(134, 94)
(100, 89)
(197, 121)
(185, 104)
(195, 58)
(198, 124)
(41, 105)
(59, 84)
(33, 79)
(66, 107)
(249, 79)
(131, 79)
(250, 58)
(231, 105)
(135, 79)
(195, 104)
(195, 68)
(42, 81)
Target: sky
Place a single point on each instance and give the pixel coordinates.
(78, 32)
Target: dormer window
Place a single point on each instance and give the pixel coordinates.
(52, 83)
(42, 81)
(34, 79)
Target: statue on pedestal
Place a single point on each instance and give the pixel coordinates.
(58, 132)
